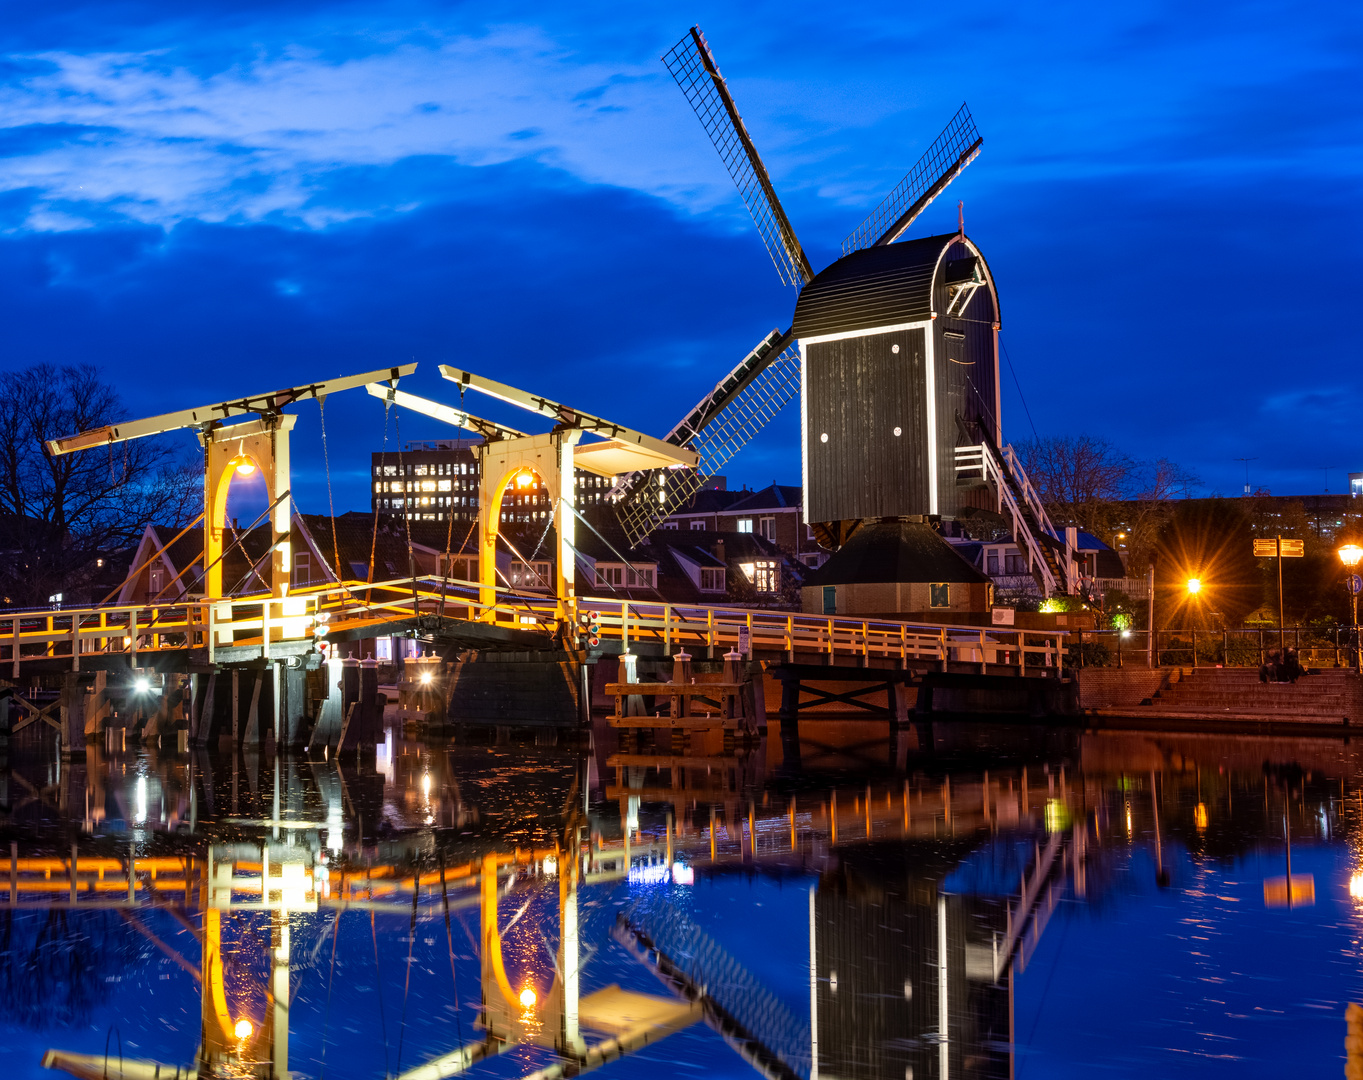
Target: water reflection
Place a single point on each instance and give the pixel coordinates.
(846, 903)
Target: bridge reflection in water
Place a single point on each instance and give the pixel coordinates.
(928, 882)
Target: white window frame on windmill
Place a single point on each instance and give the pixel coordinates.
(960, 294)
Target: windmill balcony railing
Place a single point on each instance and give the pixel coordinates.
(978, 460)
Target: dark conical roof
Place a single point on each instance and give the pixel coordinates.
(895, 551)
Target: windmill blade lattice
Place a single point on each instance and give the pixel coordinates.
(693, 66)
(953, 150)
(728, 418)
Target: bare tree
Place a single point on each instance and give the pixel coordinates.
(62, 513)
(1078, 477)
(1087, 482)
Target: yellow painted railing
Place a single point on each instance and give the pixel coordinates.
(702, 629)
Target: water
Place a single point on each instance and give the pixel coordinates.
(964, 900)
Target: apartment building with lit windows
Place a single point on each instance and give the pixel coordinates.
(438, 481)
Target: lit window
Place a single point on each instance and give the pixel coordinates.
(761, 574)
(745, 525)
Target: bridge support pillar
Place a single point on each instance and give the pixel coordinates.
(259, 444)
(72, 715)
(97, 707)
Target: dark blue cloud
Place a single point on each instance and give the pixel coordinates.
(597, 297)
(1166, 198)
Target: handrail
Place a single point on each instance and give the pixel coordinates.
(979, 457)
(185, 624)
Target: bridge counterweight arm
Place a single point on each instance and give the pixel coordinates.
(569, 417)
(457, 417)
(209, 416)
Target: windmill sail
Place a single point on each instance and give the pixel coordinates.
(721, 424)
(693, 66)
(954, 149)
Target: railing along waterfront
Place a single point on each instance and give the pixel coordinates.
(351, 607)
(1250, 647)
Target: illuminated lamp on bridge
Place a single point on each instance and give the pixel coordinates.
(241, 462)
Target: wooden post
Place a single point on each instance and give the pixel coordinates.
(98, 707)
(252, 733)
(792, 823)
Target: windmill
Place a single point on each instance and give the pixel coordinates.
(893, 350)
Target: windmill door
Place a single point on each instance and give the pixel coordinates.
(866, 432)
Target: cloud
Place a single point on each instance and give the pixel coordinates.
(244, 114)
(636, 329)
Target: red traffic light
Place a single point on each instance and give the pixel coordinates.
(593, 641)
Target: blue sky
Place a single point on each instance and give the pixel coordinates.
(214, 199)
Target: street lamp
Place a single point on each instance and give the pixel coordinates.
(1194, 590)
(1350, 555)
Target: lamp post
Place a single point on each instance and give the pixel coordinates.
(1350, 555)
(1194, 589)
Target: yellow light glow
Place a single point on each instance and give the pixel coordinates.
(244, 465)
(1200, 815)
(524, 478)
(426, 678)
(1356, 886)
(243, 1029)
(1350, 554)
(528, 998)
(1194, 586)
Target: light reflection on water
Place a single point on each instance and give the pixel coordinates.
(967, 901)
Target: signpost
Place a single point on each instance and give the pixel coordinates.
(1280, 549)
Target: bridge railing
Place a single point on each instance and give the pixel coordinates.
(709, 630)
(716, 630)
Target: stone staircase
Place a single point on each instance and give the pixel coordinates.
(1331, 696)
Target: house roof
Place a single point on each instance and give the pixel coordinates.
(877, 286)
(736, 544)
(772, 497)
(710, 502)
(895, 551)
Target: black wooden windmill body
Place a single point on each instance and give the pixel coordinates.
(893, 350)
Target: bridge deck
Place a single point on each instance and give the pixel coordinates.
(240, 628)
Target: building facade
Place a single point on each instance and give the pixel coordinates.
(438, 481)
(774, 513)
